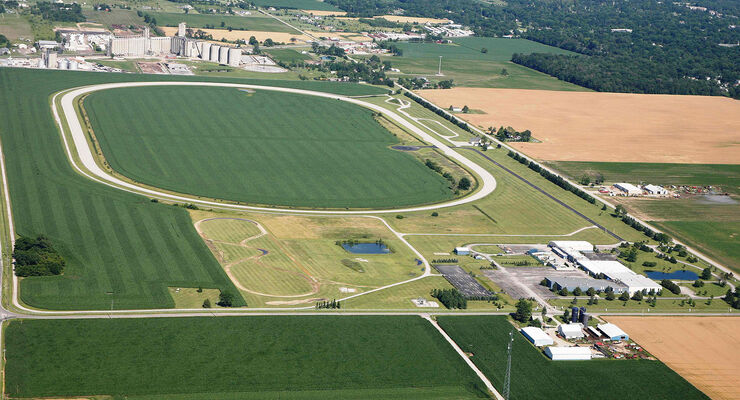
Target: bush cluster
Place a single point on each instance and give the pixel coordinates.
(37, 257)
(451, 298)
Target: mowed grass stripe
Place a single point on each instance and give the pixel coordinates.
(49, 198)
(171, 356)
(273, 148)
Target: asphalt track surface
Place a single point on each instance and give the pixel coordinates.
(91, 169)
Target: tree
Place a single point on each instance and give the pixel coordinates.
(504, 72)
(484, 50)
(566, 315)
(577, 292)
(225, 299)
(610, 296)
(698, 283)
(706, 273)
(465, 109)
(523, 310)
(637, 296)
(624, 296)
(464, 183)
(620, 210)
(268, 42)
(563, 292)
(575, 301)
(253, 41)
(591, 291)
(206, 303)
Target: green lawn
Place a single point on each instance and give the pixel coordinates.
(115, 17)
(725, 175)
(114, 242)
(264, 148)
(299, 4)
(287, 55)
(470, 49)
(14, 27)
(533, 376)
(231, 357)
(255, 22)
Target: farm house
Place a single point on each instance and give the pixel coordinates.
(537, 336)
(568, 353)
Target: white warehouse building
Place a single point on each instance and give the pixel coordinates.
(537, 336)
(571, 331)
(568, 353)
(628, 188)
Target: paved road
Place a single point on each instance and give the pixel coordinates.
(91, 170)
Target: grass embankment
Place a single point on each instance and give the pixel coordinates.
(264, 148)
(533, 376)
(227, 358)
(113, 242)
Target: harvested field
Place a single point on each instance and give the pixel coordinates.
(704, 350)
(324, 13)
(234, 35)
(587, 126)
(413, 20)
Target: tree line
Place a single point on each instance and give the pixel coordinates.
(451, 298)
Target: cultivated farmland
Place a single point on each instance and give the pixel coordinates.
(534, 376)
(704, 350)
(298, 4)
(264, 147)
(255, 22)
(122, 251)
(615, 127)
(231, 357)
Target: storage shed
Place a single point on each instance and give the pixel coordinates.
(571, 331)
(462, 251)
(568, 353)
(613, 332)
(537, 336)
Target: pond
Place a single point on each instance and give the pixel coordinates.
(366, 248)
(679, 275)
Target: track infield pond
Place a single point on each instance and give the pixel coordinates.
(258, 147)
(315, 357)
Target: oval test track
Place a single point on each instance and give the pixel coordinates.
(487, 184)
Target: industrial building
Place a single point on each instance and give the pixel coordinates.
(628, 188)
(571, 331)
(611, 270)
(613, 332)
(537, 336)
(568, 353)
(571, 283)
(139, 46)
(462, 251)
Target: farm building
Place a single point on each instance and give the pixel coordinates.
(654, 189)
(462, 251)
(537, 336)
(628, 188)
(613, 332)
(568, 353)
(571, 331)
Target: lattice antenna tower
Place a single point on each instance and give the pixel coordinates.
(507, 380)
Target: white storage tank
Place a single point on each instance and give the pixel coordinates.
(205, 51)
(73, 64)
(223, 55)
(235, 57)
(214, 53)
(62, 63)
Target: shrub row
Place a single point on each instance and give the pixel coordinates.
(554, 178)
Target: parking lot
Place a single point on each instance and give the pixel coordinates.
(510, 280)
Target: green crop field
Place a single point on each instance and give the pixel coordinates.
(257, 22)
(718, 240)
(298, 4)
(114, 17)
(533, 376)
(466, 65)
(287, 55)
(228, 358)
(726, 176)
(14, 27)
(266, 148)
(121, 249)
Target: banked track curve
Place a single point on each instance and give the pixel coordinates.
(86, 165)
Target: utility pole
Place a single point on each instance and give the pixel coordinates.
(439, 71)
(507, 380)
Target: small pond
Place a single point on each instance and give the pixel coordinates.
(366, 248)
(679, 275)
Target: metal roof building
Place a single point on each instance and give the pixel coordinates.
(628, 188)
(571, 331)
(613, 332)
(537, 336)
(584, 284)
(568, 353)
(577, 245)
